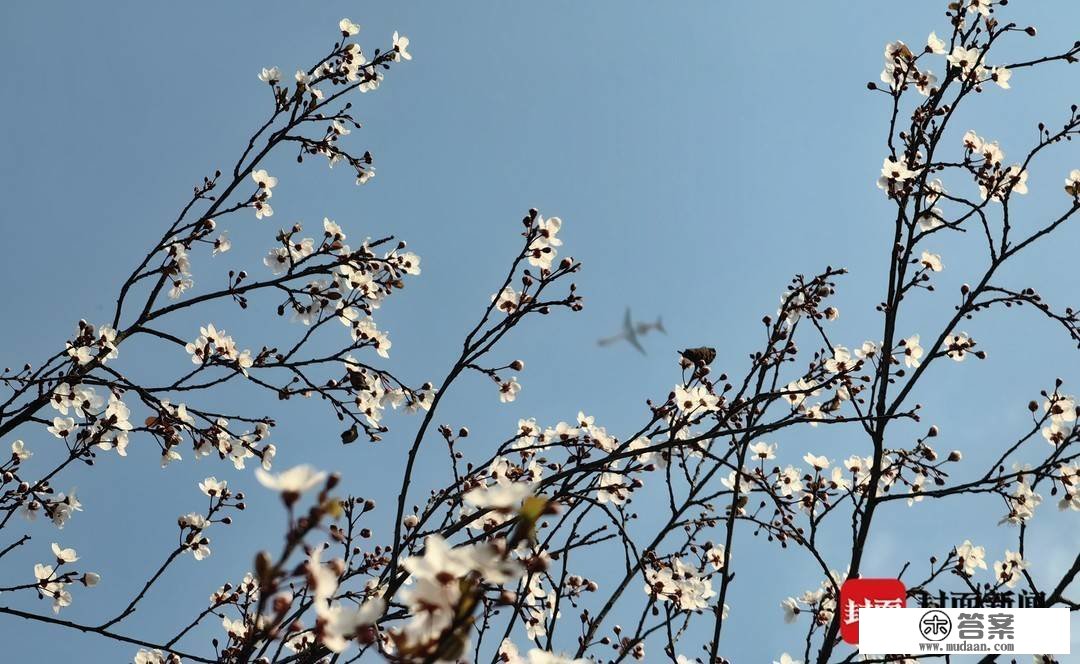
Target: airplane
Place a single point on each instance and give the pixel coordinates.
(632, 331)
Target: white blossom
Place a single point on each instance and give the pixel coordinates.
(296, 480)
(265, 181)
(212, 487)
(500, 496)
(401, 43)
(958, 346)
(1009, 571)
(1001, 76)
(222, 243)
(966, 59)
(62, 427)
(789, 481)
(680, 584)
(19, 451)
(970, 557)
(508, 390)
(913, 352)
(348, 28)
(507, 300)
(1072, 183)
(893, 173)
(867, 350)
(168, 456)
(931, 261)
(64, 555)
(936, 45)
(271, 75)
(931, 219)
(840, 361)
(763, 451)
(690, 399)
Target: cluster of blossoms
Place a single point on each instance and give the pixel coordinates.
(51, 580)
(1070, 481)
(1010, 570)
(827, 482)
(444, 583)
(106, 424)
(265, 184)
(695, 399)
(542, 250)
(901, 66)
(1023, 500)
(691, 403)
(361, 279)
(338, 622)
(614, 483)
(218, 439)
(898, 174)
(507, 487)
(441, 579)
(365, 332)
(687, 587)
(1061, 411)
(193, 525)
(986, 161)
(819, 603)
(86, 420)
(92, 343)
(421, 597)
(347, 66)
(493, 563)
(170, 423)
(155, 656)
(970, 558)
(582, 430)
(59, 507)
(216, 347)
(540, 605)
(292, 253)
(178, 268)
(373, 393)
(509, 654)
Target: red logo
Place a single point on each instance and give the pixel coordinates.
(858, 594)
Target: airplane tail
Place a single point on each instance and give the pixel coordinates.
(659, 325)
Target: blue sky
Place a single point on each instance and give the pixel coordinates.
(699, 154)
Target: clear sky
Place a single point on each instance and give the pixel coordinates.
(699, 153)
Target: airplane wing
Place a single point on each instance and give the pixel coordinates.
(631, 336)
